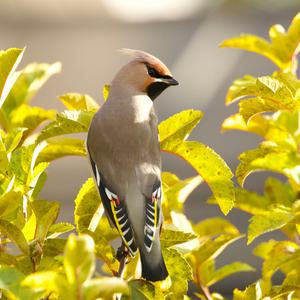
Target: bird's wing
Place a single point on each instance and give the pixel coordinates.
(115, 210)
(152, 220)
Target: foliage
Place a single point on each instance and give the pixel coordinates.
(269, 107)
(39, 258)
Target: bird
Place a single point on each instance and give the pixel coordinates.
(124, 153)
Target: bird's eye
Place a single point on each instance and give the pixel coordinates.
(152, 72)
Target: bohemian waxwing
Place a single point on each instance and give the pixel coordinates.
(124, 152)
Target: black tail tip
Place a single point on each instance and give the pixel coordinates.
(155, 273)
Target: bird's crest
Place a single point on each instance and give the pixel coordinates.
(147, 58)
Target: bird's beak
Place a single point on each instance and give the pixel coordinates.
(169, 81)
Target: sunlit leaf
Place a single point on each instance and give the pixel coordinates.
(46, 213)
(70, 121)
(104, 288)
(268, 221)
(9, 202)
(105, 91)
(30, 117)
(59, 147)
(13, 138)
(9, 61)
(171, 237)
(10, 283)
(79, 259)
(282, 49)
(28, 83)
(226, 271)
(57, 229)
(214, 226)
(15, 235)
(179, 271)
(178, 127)
(211, 168)
(74, 101)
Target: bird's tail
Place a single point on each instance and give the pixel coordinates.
(153, 265)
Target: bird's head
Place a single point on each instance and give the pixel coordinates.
(145, 73)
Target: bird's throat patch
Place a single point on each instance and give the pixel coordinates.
(155, 89)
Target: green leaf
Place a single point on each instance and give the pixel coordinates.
(252, 292)
(54, 247)
(214, 226)
(30, 117)
(79, 259)
(282, 49)
(59, 147)
(10, 281)
(74, 101)
(212, 169)
(13, 138)
(14, 234)
(46, 213)
(89, 210)
(179, 271)
(57, 229)
(177, 128)
(9, 61)
(169, 237)
(212, 248)
(105, 91)
(228, 270)
(268, 221)
(70, 121)
(48, 282)
(104, 288)
(141, 290)
(28, 83)
(9, 202)
(257, 124)
(269, 157)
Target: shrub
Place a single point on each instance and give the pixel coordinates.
(38, 263)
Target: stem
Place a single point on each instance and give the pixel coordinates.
(122, 258)
(204, 289)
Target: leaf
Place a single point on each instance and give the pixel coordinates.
(228, 270)
(282, 49)
(9, 202)
(9, 61)
(212, 169)
(54, 247)
(214, 226)
(28, 83)
(79, 259)
(169, 237)
(179, 271)
(74, 101)
(10, 281)
(57, 229)
(178, 127)
(140, 289)
(257, 124)
(46, 213)
(212, 248)
(252, 292)
(104, 288)
(269, 157)
(13, 138)
(279, 192)
(70, 121)
(268, 221)
(87, 204)
(14, 234)
(30, 117)
(47, 281)
(105, 91)
(59, 147)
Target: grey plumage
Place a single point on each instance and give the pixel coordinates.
(125, 156)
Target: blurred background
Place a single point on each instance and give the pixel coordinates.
(85, 37)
